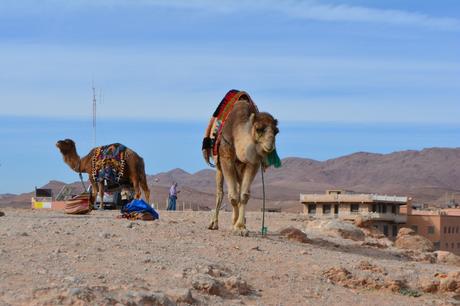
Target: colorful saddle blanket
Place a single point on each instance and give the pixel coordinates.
(213, 133)
(109, 163)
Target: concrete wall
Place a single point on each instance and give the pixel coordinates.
(422, 223)
(446, 236)
(344, 210)
(450, 233)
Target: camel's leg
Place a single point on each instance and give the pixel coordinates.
(235, 210)
(94, 190)
(137, 189)
(145, 187)
(249, 173)
(101, 194)
(219, 196)
(231, 180)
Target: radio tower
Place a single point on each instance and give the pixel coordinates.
(94, 115)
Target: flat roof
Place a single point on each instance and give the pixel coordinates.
(352, 198)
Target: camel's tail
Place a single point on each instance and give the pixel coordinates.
(207, 150)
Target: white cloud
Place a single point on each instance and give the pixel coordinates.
(306, 9)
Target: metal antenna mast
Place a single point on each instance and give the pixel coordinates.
(94, 115)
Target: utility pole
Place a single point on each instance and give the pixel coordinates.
(94, 115)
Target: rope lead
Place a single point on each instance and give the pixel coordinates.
(263, 230)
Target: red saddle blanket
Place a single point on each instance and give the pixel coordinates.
(213, 133)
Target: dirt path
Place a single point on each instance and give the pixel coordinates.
(52, 258)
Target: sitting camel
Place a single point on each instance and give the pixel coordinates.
(247, 138)
(99, 164)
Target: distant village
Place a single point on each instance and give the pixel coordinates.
(388, 214)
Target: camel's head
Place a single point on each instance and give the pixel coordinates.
(66, 146)
(264, 131)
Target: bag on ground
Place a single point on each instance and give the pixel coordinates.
(141, 207)
(78, 205)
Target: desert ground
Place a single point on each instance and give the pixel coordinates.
(49, 258)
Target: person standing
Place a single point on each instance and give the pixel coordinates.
(172, 197)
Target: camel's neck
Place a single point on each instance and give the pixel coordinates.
(85, 163)
(77, 164)
(245, 147)
(73, 160)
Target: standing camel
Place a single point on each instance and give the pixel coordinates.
(246, 139)
(99, 164)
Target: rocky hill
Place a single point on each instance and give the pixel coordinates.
(427, 176)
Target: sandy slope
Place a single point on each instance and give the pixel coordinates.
(52, 258)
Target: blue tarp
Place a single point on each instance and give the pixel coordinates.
(140, 206)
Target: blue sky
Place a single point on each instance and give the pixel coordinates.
(384, 75)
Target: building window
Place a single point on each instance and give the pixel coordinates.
(385, 230)
(374, 207)
(414, 228)
(453, 245)
(395, 230)
(312, 209)
(447, 246)
(431, 230)
(326, 209)
(384, 209)
(354, 208)
(393, 209)
(437, 245)
(336, 209)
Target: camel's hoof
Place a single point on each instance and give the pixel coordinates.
(213, 226)
(241, 232)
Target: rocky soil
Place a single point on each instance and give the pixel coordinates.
(48, 258)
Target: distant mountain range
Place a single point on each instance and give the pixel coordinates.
(429, 176)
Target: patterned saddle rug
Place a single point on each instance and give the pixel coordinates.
(109, 163)
(213, 133)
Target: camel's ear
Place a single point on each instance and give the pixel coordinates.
(252, 118)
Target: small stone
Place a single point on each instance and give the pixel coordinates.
(206, 283)
(429, 286)
(130, 225)
(146, 298)
(180, 295)
(237, 285)
(295, 234)
(74, 291)
(71, 279)
(105, 235)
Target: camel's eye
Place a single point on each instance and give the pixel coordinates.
(260, 130)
